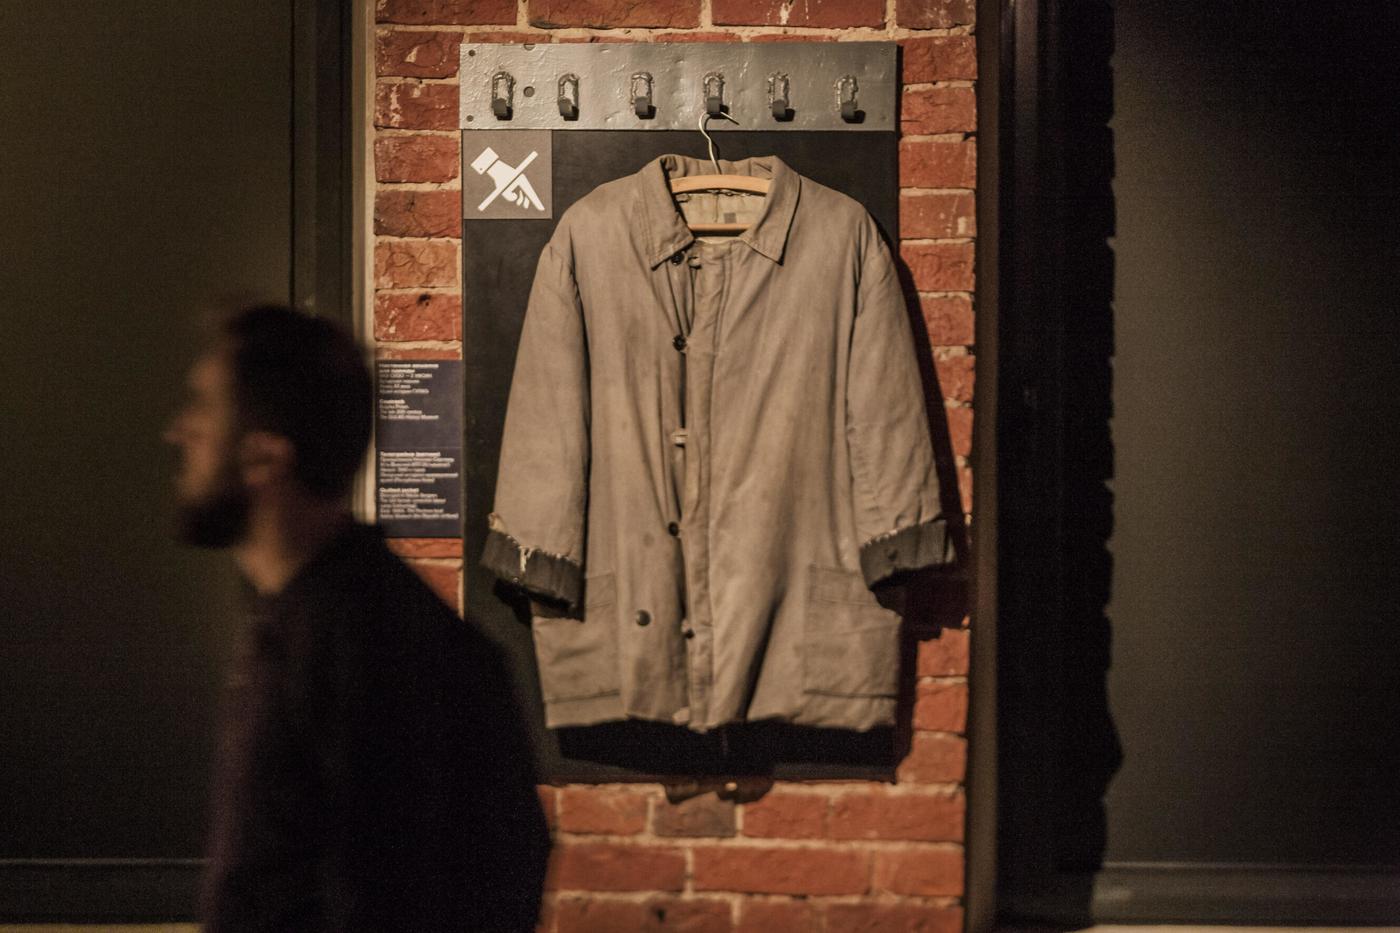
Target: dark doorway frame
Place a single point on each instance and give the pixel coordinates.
(1044, 744)
(323, 126)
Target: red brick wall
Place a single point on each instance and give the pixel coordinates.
(833, 856)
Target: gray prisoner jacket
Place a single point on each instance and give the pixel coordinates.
(712, 449)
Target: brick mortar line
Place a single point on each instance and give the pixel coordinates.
(827, 789)
(453, 185)
(950, 240)
(926, 192)
(944, 294)
(399, 131)
(688, 887)
(947, 82)
(419, 345)
(388, 238)
(960, 137)
(806, 843)
(884, 898)
(413, 80)
(454, 562)
(943, 732)
(942, 789)
(408, 290)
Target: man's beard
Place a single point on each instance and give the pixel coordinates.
(218, 520)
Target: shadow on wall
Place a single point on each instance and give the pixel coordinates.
(1058, 745)
(1090, 753)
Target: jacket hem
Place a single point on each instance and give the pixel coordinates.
(537, 571)
(587, 711)
(857, 714)
(915, 547)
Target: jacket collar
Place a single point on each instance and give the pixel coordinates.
(665, 229)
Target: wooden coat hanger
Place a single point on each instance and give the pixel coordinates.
(718, 182)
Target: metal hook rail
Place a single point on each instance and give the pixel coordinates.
(772, 86)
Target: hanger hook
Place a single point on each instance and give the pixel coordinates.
(705, 118)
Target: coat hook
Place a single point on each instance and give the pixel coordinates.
(846, 97)
(779, 89)
(642, 104)
(501, 103)
(568, 96)
(714, 93)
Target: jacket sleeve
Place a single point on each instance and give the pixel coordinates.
(536, 534)
(898, 517)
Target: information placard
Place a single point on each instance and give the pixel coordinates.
(418, 418)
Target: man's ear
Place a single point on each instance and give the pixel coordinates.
(265, 459)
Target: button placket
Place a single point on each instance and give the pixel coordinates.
(707, 295)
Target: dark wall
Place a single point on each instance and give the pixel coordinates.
(1255, 395)
(1200, 363)
(146, 175)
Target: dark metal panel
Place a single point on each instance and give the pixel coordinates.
(500, 258)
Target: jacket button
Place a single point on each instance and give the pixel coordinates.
(678, 342)
(643, 618)
(689, 633)
(676, 259)
(674, 529)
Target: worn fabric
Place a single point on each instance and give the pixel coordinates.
(712, 449)
(373, 772)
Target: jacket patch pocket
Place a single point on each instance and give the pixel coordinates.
(851, 642)
(577, 658)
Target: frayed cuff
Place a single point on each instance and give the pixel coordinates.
(912, 548)
(539, 572)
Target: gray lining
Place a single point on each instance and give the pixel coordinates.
(911, 548)
(537, 571)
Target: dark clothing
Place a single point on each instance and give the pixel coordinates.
(374, 774)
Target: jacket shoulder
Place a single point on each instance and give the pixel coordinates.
(845, 229)
(833, 207)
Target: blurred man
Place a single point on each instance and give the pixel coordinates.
(373, 771)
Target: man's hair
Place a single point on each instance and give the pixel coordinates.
(303, 378)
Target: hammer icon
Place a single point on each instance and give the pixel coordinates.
(510, 181)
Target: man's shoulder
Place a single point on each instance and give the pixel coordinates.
(357, 587)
